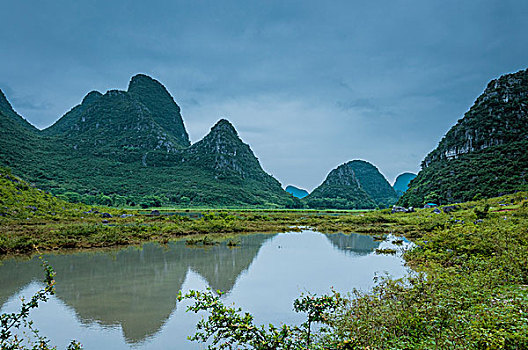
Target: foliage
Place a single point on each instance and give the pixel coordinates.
(491, 172)
(164, 110)
(228, 328)
(482, 214)
(469, 290)
(9, 322)
(19, 200)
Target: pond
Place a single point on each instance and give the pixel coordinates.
(126, 298)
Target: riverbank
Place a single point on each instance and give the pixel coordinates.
(83, 227)
(470, 290)
(105, 227)
(33, 221)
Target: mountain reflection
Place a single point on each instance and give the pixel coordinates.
(353, 243)
(135, 288)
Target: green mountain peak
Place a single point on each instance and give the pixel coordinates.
(144, 118)
(153, 95)
(223, 125)
(131, 147)
(142, 81)
(224, 151)
(353, 185)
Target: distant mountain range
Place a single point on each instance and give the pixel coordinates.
(131, 148)
(484, 154)
(401, 184)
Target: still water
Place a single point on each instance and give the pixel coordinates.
(126, 299)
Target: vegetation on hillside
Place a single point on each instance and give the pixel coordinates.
(491, 172)
(130, 148)
(484, 154)
(7, 110)
(164, 110)
(353, 185)
(469, 289)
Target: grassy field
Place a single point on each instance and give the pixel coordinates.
(85, 227)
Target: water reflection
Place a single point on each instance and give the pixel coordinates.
(139, 285)
(353, 243)
(135, 288)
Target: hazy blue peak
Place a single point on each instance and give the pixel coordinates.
(296, 192)
(401, 184)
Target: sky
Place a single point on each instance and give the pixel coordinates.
(309, 85)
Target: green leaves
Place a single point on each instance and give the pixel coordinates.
(230, 328)
(469, 292)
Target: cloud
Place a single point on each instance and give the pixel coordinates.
(308, 84)
(27, 103)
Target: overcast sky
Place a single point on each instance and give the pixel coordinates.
(308, 84)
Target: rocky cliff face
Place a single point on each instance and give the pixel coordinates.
(484, 154)
(498, 116)
(155, 97)
(223, 151)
